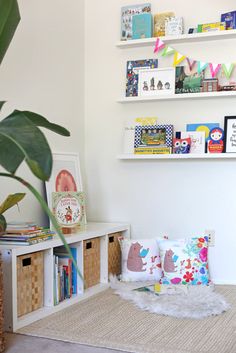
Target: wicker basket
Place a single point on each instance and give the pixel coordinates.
(29, 282)
(2, 337)
(91, 262)
(114, 254)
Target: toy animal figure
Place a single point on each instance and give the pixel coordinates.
(134, 261)
(182, 145)
(169, 265)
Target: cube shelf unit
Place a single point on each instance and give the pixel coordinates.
(11, 253)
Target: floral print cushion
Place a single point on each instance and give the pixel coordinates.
(184, 261)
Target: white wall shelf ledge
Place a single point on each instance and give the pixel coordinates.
(184, 38)
(218, 94)
(177, 156)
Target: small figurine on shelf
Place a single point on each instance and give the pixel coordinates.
(215, 143)
(182, 146)
(152, 84)
(160, 85)
(145, 86)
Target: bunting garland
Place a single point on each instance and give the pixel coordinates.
(227, 68)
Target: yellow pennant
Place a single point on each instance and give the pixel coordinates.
(178, 58)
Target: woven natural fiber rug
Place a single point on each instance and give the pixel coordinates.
(106, 320)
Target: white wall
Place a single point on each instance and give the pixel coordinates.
(178, 198)
(43, 71)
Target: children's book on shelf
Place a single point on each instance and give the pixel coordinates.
(181, 145)
(203, 127)
(197, 140)
(69, 208)
(132, 74)
(142, 26)
(129, 131)
(153, 139)
(174, 26)
(160, 23)
(127, 13)
(188, 81)
(230, 19)
(216, 140)
(211, 27)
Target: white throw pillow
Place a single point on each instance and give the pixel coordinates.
(140, 260)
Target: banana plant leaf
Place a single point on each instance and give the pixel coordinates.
(21, 139)
(11, 201)
(9, 19)
(3, 224)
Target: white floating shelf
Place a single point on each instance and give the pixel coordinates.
(184, 38)
(179, 96)
(178, 156)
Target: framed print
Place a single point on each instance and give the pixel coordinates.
(153, 136)
(154, 82)
(65, 175)
(230, 134)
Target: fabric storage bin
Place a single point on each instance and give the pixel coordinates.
(91, 248)
(30, 268)
(2, 336)
(114, 254)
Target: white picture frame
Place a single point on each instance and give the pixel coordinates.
(65, 175)
(156, 82)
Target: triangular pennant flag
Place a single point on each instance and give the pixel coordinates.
(178, 58)
(167, 51)
(191, 63)
(201, 65)
(159, 45)
(214, 69)
(228, 69)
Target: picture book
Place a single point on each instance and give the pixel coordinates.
(132, 74)
(174, 26)
(69, 208)
(142, 26)
(129, 130)
(160, 23)
(230, 19)
(181, 145)
(127, 13)
(204, 127)
(197, 140)
(211, 27)
(153, 137)
(188, 81)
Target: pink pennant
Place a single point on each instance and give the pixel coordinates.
(191, 63)
(214, 69)
(159, 45)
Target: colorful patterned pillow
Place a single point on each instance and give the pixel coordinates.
(184, 261)
(140, 260)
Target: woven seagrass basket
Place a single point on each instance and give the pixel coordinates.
(114, 254)
(91, 248)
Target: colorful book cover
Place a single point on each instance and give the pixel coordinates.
(132, 74)
(160, 23)
(69, 208)
(142, 26)
(174, 26)
(129, 131)
(197, 141)
(230, 19)
(205, 127)
(154, 150)
(187, 81)
(127, 13)
(153, 136)
(211, 27)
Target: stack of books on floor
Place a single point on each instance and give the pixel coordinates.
(65, 275)
(25, 233)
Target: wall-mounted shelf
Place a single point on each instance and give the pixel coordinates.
(184, 38)
(178, 156)
(220, 94)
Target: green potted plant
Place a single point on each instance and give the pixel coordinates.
(20, 136)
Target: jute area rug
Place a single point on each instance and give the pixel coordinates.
(107, 320)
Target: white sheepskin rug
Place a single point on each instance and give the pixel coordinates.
(197, 303)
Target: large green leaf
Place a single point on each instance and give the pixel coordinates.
(1, 104)
(11, 201)
(3, 224)
(21, 138)
(9, 19)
